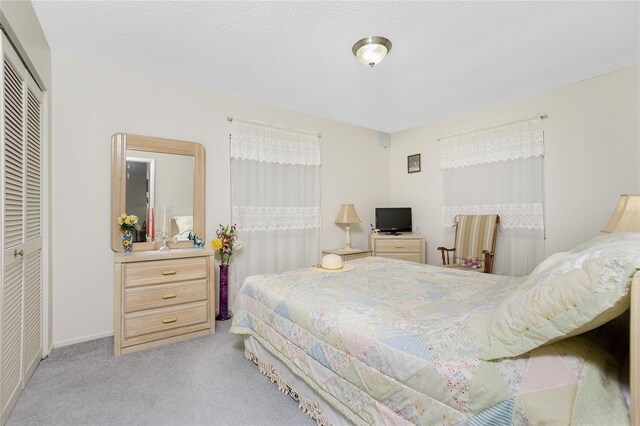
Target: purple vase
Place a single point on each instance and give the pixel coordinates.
(223, 313)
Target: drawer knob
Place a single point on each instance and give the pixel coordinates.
(399, 246)
(169, 320)
(172, 272)
(169, 296)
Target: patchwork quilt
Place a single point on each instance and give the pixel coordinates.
(395, 342)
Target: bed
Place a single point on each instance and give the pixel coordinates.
(396, 342)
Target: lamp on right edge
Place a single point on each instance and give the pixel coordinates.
(626, 218)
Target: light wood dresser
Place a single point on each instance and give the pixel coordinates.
(404, 246)
(162, 297)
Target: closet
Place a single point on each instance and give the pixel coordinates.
(21, 228)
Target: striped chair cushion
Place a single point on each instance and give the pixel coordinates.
(474, 233)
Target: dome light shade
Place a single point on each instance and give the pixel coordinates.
(371, 50)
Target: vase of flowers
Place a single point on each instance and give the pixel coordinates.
(225, 242)
(128, 224)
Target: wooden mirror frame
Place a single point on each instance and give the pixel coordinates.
(120, 142)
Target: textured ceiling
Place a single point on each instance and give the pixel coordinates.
(447, 57)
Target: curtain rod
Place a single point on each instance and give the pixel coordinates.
(486, 129)
(230, 119)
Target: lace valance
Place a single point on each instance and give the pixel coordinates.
(275, 218)
(272, 144)
(512, 216)
(521, 140)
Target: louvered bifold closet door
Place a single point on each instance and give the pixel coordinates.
(21, 295)
(32, 322)
(13, 129)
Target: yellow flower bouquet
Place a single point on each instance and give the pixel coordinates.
(127, 222)
(224, 243)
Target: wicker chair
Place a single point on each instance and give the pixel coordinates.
(475, 239)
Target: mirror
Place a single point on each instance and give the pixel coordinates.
(162, 182)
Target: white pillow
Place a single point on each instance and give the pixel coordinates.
(568, 294)
(552, 260)
(185, 223)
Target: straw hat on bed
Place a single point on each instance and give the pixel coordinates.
(333, 263)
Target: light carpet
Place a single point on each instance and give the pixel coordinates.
(203, 381)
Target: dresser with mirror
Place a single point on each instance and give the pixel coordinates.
(164, 288)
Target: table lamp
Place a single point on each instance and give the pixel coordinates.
(626, 218)
(347, 215)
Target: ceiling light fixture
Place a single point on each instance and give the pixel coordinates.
(371, 50)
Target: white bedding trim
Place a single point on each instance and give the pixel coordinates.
(310, 407)
(300, 382)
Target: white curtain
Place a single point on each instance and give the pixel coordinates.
(275, 199)
(499, 171)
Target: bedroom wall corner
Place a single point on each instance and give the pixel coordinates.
(592, 155)
(98, 100)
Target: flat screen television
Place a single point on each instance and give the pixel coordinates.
(393, 219)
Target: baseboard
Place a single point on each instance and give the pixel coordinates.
(81, 339)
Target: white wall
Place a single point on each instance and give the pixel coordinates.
(21, 23)
(96, 101)
(592, 155)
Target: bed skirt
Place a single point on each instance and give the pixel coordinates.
(288, 383)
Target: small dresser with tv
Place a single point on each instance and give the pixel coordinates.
(404, 246)
(395, 238)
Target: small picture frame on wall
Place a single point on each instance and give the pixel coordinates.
(413, 163)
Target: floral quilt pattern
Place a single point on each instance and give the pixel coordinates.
(395, 342)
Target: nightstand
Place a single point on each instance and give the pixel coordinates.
(349, 254)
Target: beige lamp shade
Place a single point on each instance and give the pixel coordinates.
(347, 215)
(626, 218)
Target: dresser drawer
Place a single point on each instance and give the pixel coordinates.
(164, 271)
(160, 295)
(398, 246)
(147, 322)
(413, 257)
